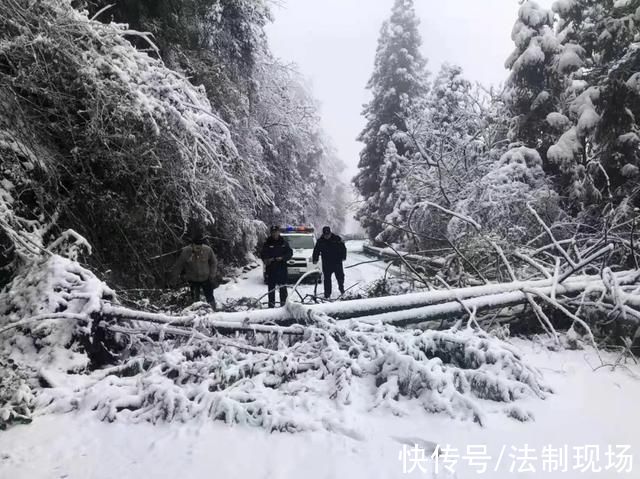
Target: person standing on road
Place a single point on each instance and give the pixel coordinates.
(199, 265)
(275, 254)
(333, 252)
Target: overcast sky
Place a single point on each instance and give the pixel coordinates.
(334, 43)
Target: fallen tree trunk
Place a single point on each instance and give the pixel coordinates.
(398, 310)
(452, 309)
(389, 254)
(111, 312)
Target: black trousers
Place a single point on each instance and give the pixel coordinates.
(272, 294)
(202, 287)
(329, 270)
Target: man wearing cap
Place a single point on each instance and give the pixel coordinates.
(333, 252)
(199, 265)
(275, 254)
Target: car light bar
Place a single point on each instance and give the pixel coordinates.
(297, 229)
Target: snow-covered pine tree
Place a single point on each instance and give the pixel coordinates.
(390, 194)
(398, 80)
(598, 150)
(532, 88)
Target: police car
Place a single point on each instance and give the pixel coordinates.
(302, 240)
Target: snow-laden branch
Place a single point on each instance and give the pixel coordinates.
(542, 317)
(255, 367)
(208, 377)
(462, 217)
(557, 245)
(453, 308)
(533, 263)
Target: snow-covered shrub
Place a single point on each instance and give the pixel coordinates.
(23, 221)
(48, 326)
(499, 200)
(16, 397)
(299, 379)
(47, 315)
(389, 286)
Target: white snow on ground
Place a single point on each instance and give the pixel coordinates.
(588, 408)
(252, 285)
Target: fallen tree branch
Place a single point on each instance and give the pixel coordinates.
(363, 307)
(453, 308)
(557, 245)
(189, 334)
(572, 316)
(577, 267)
(533, 263)
(466, 219)
(542, 317)
(411, 268)
(43, 317)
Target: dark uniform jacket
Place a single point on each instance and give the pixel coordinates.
(276, 270)
(332, 250)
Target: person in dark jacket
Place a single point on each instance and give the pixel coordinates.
(275, 254)
(333, 252)
(199, 265)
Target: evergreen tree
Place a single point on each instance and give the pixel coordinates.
(393, 172)
(598, 152)
(574, 97)
(398, 80)
(450, 99)
(532, 88)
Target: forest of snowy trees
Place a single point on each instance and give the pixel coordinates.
(505, 211)
(133, 139)
(561, 136)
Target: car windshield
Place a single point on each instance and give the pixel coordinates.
(300, 242)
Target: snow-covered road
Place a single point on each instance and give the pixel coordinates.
(357, 275)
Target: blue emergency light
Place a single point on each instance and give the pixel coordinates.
(297, 229)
